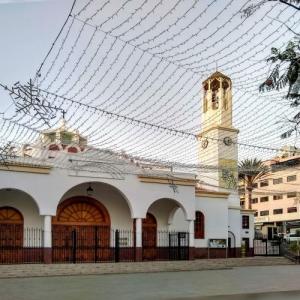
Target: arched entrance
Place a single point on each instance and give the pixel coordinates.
(11, 234)
(81, 231)
(160, 240)
(149, 237)
(21, 234)
(11, 227)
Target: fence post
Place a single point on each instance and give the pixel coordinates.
(189, 254)
(117, 246)
(179, 246)
(96, 243)
(266, 247)
(170, 246)
(74, 246)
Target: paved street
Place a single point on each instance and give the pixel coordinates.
(167, 285)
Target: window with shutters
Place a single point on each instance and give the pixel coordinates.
(245, 222)
(291, 178)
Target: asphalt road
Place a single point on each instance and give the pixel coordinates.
(255, 283)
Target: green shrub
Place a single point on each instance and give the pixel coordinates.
(295, 247)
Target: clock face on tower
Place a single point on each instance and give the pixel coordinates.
(227, 141)
(204, 143)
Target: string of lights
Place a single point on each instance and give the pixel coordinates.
(150, 94)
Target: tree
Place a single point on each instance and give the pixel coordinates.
(250, 170)
(252, 8)
(286, 70)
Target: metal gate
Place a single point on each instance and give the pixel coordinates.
(165, 245)
(20, 245)
(82, 244)
(179, 246)
(264, 247)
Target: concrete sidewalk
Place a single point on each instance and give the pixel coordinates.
(42, 270)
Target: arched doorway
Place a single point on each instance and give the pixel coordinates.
(11, 227)
(81, 231)
(11, 234)
(149, 237)
(161, 240)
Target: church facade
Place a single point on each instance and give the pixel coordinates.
(108, 207)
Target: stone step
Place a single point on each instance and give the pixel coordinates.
(41, 270)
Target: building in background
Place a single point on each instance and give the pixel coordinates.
(276, 196)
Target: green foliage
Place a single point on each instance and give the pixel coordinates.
(295, 247)
(287, 60)
(249, 171)
(286, 72)
(278, 80)
(251, 168)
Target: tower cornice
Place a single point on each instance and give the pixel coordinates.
(230, 129)
(217, 74)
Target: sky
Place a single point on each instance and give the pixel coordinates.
(28, 28)
(146, 60)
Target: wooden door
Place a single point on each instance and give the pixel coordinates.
(149, 237)
(11, 235)
(81, 231)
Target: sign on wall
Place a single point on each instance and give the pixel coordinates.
(217, 243)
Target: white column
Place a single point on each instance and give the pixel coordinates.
(138, 232)
(191, 233)
(47, 232)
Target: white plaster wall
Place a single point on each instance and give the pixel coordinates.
(216, 219)
(235, 224)
(25, 204)
(234, 199)
(48, 190)
(179, 223)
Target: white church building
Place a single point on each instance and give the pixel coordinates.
(108, 207)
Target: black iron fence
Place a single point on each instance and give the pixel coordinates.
(20, 245)
(291, 251)
(264, 247)
(165, 245)
(79, 244)
(73, 244)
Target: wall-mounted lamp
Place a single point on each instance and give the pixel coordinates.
(89, 190)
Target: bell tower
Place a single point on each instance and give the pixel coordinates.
(218, 138)
(217, 101)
